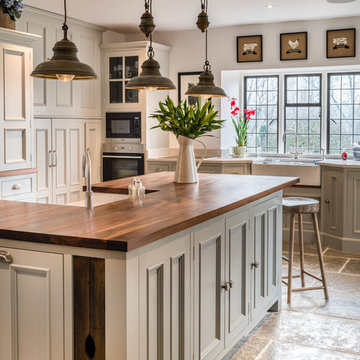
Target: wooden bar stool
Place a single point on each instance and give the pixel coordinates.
(299, 206)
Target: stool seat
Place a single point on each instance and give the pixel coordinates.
(301, 205)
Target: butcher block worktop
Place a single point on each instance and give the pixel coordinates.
(129, 224)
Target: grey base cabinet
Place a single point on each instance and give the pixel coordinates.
(340, 209)
(236, 276)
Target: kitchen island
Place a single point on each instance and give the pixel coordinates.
(183, 273)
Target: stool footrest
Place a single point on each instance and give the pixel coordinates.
(294, 276)
(313, 276)
(308, 288)
(285, 258)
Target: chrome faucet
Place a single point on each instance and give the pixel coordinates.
(86, 173)
(297, 153)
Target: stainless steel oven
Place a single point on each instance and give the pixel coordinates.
(122, 160)
(123, 127)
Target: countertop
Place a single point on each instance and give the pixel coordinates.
(250, 160)
(126, 225)
(18, 172)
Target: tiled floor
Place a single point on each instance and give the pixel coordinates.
(312, 329)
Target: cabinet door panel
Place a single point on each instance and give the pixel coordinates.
(93, 142)
(237, 271)
(14, 83)
(353, 210)
(259, 257)
(209, 295)
(333, 201)
(165, 301)
(31, 306)
(42, 153)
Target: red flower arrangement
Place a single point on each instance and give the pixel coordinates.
(241, 125)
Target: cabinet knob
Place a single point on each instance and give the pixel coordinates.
(255, 264)
(231, 283)
(327, 202)
(16, 186)
(226, 287)
(6, 257)
(159, 170)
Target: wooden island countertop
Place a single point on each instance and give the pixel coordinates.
(129, 224)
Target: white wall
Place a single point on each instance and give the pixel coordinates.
(187, 52)
(112, 37)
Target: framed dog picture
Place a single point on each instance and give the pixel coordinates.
(293, 46)
(249, 48)
(341, 43)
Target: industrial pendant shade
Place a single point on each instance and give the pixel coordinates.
(206, 87)
(150, 78)
(64, 65)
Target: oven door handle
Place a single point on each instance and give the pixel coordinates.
(121, 157)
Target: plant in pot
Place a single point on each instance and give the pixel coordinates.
(241, 124)
(187, 123)
(11, 10)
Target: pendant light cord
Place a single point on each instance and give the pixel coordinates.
(151, 52)
(65, 27)
(207, 66)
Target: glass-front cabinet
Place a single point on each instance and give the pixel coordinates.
(120, 69)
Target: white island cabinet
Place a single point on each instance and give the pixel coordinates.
(186, 284)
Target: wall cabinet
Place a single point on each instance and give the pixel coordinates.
(54, 98)
(31, 306)
(59, 145)
(15, 99)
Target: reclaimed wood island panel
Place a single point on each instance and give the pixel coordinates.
(189, 270)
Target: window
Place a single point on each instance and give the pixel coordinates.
(303, 112)
(262, 94)
(343, 111)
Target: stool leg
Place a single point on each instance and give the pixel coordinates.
(301, 241)
(291, 255)
(320, 255)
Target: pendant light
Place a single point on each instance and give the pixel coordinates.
(206, 87)
(150, 78)
(64, 65)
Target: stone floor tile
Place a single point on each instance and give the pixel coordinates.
(347, 284)
(341, 306)
(309, 248)
(307, 301)
(352, 267)
(312, 330)
(288, 351)
(337, 253)
(251, 349)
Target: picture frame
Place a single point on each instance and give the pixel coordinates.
(249, 48)
(294, 46)
(340, 43)
(186, 80)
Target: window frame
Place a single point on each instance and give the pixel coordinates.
(329, 74)
(297, 105)
(277, 105)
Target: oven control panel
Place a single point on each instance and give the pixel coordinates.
(124, 148)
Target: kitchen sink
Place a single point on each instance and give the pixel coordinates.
(101, 199)
(306, 169)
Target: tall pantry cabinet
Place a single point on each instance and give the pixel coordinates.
(67, 116)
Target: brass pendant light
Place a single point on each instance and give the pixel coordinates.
(64, 65)
(150, 78)
(206, 87)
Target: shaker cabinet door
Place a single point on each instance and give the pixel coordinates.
(165, 300)
(15, 102)
(209, 279)
(31, 306)
(237, 272)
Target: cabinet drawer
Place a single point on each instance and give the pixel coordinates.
(159, 167)
(16, 186)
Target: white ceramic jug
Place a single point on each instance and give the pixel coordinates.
(186, 168)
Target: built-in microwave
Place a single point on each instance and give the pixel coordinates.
(123, 126)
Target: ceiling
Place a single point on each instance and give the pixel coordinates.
(124, 15)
